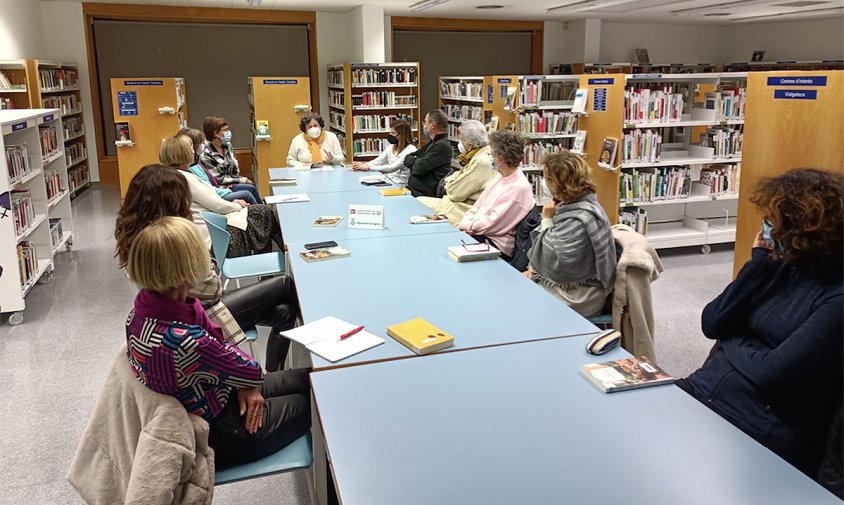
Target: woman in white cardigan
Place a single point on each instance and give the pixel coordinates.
(315, 145)
(253, 228)
(391, 159)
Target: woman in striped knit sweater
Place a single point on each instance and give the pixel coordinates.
(175, 349)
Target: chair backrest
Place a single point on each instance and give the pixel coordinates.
(522, 246)
(220, 237)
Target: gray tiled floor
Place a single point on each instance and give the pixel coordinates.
(52, 366)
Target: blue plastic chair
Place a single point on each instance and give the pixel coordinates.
(603, 321)
(256, 265)
(295, 456)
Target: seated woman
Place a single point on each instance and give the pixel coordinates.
(391, 159)
(231, 192)
(174, 349)
(315, 145)
(573, 254)
(776, 368)
(506, 200)
(269, 302)
(217, 155)
(463, 187)
(253, 228)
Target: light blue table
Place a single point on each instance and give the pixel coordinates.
(296, 218)
(392, 280)
(519, 425)
(321, 181)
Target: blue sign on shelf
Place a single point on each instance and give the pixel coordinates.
(127, 103)
(795, 94)
(599, 100)
(280, 81)
(604, 80)
(19, 126)
(48, 117)
(143, 83)
(812, 80)
(489, 93)
(505, 80)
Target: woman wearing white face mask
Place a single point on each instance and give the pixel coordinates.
(315, 144)
(218, 153)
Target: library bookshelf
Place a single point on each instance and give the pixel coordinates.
(278, 103)
(154, 108)
(482, 98)
(364, 98)
(36, 220)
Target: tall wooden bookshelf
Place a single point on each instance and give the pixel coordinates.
(14, 85)
(785, 132)
(279, 101)
(482, 98)
(36, 220)
(363, 100)
(155, 108)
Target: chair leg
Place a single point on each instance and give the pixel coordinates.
(237, 283)
(251, 345)
(225, 284)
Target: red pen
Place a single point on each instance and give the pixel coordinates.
(350, 333)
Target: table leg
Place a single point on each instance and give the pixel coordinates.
(319, 468)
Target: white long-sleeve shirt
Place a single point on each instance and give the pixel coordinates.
(389, 162)
(204, 198)
(300, 154)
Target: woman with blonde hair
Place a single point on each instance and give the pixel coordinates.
(174, 349)
(253, 228)
(573, 254)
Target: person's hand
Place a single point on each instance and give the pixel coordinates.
(328, 156)
(528, 273)
(759, 241)
(251, 404)
(249, 181)
(242, 203)
(548, 210)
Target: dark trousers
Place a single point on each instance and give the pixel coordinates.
(270, 302)
(287, 416)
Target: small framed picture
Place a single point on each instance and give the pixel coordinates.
(758, 56)
(642, 56)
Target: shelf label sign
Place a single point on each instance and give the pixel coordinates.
(813, 80)
(281, 81)
(489, 93)
(143, 83)
(127, 103)
(505, 80)
(794, 94)
(599, 100)
(16, 127)
(48, 117)
(604, 80)
(367, 217)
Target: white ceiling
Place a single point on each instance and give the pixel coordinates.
(658, 11)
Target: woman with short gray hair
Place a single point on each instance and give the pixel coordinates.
(473, 172)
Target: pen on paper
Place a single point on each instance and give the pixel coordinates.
(350, 333)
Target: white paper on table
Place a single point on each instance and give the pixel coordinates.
(296, 197)
(322, 336)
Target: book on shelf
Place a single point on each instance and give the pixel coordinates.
(473, 252)
(375, 76)
(581, 96)
(23, 209)
(663, 105)
(608, 151)
(17, 161)
(431, 218)
(262, 128)
(53, 183)
(655, 184)
(122, 132)
(579, 142)
(27, 261)
(327, 221)
(624, 374)
(325, 254)
(636, 218)
(49, 140)
(333, 339)
(640, 146)
(56, 231)
(758, 56)
(420, 336)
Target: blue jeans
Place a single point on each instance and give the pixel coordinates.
(246, 192)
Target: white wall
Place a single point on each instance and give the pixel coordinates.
(665, 43)
(21, 33)
(334, 45)
(574, 41)
(553, 45)
(64, 40)
(388, 38)
(819, 39)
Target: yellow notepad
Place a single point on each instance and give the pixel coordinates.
(395, 192)
(420, 336)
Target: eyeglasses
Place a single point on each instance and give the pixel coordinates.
(479, 247)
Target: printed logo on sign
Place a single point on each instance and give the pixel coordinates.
(814, 80)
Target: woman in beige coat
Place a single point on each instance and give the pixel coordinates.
(466, 184)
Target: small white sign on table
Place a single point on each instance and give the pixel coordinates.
(367, 217)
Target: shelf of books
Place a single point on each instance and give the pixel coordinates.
(146, 110)
(365, 98)
(35, 213)
(481, 98)
(768, 66)
(275, 106)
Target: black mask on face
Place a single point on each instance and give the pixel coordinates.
(392, 139)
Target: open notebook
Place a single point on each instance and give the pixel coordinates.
(322, 337)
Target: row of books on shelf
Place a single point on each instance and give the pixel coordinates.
(369, 145)
(675, 183)
(58, 77)
(721, 179)
(640, 146)
(49, 140)
(23, 209)
(382, 99)
(65, 103)
(726, 142)
(78, 176)
(27, 261)
(336, 98)
(462, 89)
(6, 104)
(729, 102)
(361, 76)
(17, 161)
(56, 232)
(535, 151)
(335, 77)
(6, 84)
(337, 119)
(74, 151)
(653, 105)
(636, 218)
(533, 92)
(564, 123)
(378, 121)
(73, 126)
(463, 112)
(541, 193)
(54, 184)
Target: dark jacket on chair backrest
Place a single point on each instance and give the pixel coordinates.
(520, 249)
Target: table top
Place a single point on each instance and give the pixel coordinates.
(518, 424)
(296, 218)
(388, 281)
(322, 181)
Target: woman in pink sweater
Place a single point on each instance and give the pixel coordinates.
(506, 200)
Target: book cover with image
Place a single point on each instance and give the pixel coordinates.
(579, 142)
(431, 218)
(624, 374)
(262, 128)
(607, 157)
(121, 132)
(325, 254)
(327, 221)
